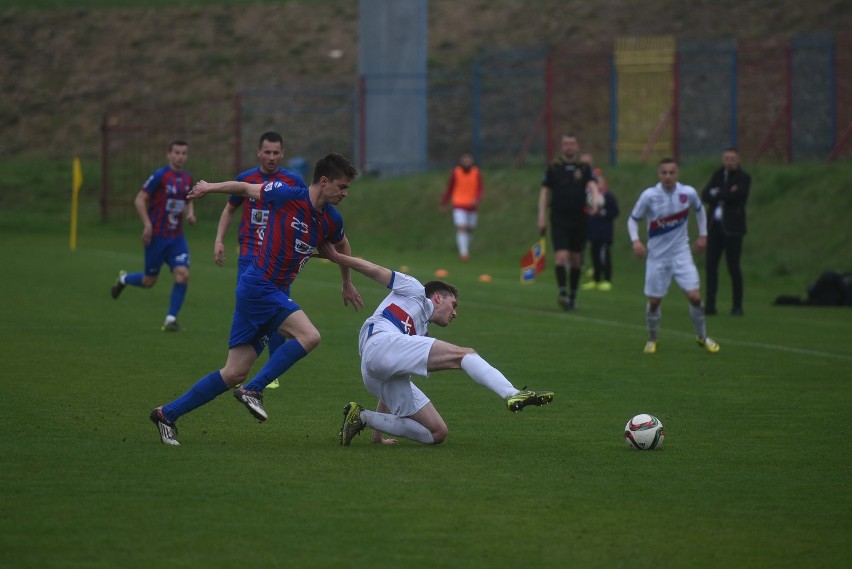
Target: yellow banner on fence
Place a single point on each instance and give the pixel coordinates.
(645, 96)
(76, 184)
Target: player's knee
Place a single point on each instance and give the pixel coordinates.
(148, 281)
(439, 435)
(458, 354)
(233, 378)
(310, 340)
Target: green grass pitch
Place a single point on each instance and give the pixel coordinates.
(751, 473)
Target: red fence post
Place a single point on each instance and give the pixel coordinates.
(548, 106)
(676, 108)
(104, 167)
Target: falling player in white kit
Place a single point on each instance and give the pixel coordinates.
(394, 345)
(666, 207)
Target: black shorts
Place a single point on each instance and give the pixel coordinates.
(569, 233)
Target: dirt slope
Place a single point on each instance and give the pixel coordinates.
(62, 70)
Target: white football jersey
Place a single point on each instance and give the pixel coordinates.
(667, 214)
(405, 310)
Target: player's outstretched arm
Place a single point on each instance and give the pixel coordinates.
(350, 293)
(369, 269)
(202, 188)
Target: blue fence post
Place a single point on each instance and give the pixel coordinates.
(476, 112)
(734, 89)
(613, 113)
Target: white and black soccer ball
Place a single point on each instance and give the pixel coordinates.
(644, 432)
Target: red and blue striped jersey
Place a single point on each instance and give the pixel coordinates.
(254, 218)
(167, 191)
(294, 229)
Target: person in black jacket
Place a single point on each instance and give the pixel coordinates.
(601, 234)
(726, 195)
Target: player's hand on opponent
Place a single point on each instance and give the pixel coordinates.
(199, 190)
(327, 251)
(639, 249)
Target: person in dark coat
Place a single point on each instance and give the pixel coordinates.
(600, 233)
(726, 195)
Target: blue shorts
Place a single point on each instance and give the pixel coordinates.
(170, 250)
(261, 308)
(243, 263)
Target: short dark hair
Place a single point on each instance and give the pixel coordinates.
(440, 287)
(667, 160)
(732, 149)
(334, 166)
(271, 136)
(177, 142)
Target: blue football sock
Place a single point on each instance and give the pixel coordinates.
(280, 361)
(178, 294)
(204, 391)
(133, 279)
(275, 342)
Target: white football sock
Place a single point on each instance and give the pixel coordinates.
(653, 319)
(399, 426)
(463, 242)
(697, 315)
(485, 374)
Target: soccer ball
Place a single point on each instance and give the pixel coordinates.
(644, 432)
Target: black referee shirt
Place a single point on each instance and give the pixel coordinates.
(567, 182)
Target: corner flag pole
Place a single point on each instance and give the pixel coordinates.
(76, 182)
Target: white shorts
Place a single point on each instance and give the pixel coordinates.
(465, 218)
(659, 275)
(388, 360)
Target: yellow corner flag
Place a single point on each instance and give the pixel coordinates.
(76, 183)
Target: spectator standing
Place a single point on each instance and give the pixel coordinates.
(567, 187)
(726, 195)
(464, 191)
(666, 207)
(601, 232)
(162, 206)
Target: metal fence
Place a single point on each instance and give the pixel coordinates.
(775, 100)
(313, 120)
(134, 143)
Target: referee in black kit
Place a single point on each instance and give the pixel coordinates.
(567, 186)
